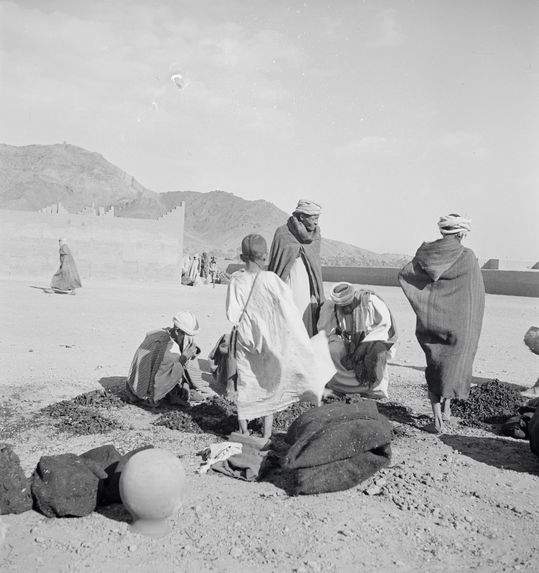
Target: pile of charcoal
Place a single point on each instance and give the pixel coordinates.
(99, 399)
(283, 420)
(217, 416)
(79, 420)
(489, 403)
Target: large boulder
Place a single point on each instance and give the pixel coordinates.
(15, 495)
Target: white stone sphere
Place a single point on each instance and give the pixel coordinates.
(152, 488)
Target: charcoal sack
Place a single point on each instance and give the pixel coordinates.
(337, 446)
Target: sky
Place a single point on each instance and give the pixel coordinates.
(388, 113)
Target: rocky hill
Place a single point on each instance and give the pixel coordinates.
(36, 176)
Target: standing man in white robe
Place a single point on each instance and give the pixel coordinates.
(277, 363)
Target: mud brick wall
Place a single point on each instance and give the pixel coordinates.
(516, 283)
(110, 248)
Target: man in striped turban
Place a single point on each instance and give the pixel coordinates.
(295, 258)
(361, 334)
(444, 286)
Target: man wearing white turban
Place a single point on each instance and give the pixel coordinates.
(166, 365)
(295, 257)
(444, 286)
(361, 333)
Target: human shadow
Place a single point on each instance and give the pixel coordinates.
(272, 470)
(114, 384)
(402, 414)
(410, 366)
(115, 512)
(503, 453)
(46, 290)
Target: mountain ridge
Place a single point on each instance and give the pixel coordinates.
(36, 176)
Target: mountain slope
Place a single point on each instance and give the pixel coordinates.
(36, 176)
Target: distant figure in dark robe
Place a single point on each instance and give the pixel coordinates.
(295, 258)
(204, 266)
(444, 285)
(66, 279)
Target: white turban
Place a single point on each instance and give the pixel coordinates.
(342, 294)
(186, 322)
(308, 207)
(452, 224)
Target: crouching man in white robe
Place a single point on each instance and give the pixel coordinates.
(361, 333)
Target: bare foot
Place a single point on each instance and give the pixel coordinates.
(432, 428)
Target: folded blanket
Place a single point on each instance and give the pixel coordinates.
(314, 420)
(341, 475)
(337, 446)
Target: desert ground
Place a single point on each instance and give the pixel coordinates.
(464, 501)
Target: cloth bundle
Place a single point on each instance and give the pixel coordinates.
(533, 432)
(246, 465)
(225, 366)
(517, 426)
(337, 446)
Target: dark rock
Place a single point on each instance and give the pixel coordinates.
(531, 339)
(64, 485)
(15, 496)
(104, 461)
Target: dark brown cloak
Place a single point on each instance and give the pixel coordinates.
(286, 247)
(444, 285)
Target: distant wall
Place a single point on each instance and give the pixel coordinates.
(516, 283)
(104, 247)
(509, 265)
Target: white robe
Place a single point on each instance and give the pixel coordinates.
(345, 380)
(298, 281)
(278, 364)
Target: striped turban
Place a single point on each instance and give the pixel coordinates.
(453, 223)
(342, 294)
(187, 322)
(308, 207)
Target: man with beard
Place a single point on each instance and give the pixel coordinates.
(295, 258)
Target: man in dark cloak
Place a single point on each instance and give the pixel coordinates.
(295, 258)
(444, 285)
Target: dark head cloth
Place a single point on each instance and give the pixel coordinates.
(254, 247)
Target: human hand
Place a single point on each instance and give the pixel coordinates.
(189, 353)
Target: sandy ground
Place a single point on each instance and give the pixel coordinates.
(465, 501)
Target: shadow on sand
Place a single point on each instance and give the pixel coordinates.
(115, 512)
(410, 366)
(503, 453)
(114, 384)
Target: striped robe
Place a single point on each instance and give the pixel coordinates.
(444, 285)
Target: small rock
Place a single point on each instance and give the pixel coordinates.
(132, 547)
(373, 490)
(236, 552)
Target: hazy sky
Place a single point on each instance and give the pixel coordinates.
(389, 113)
